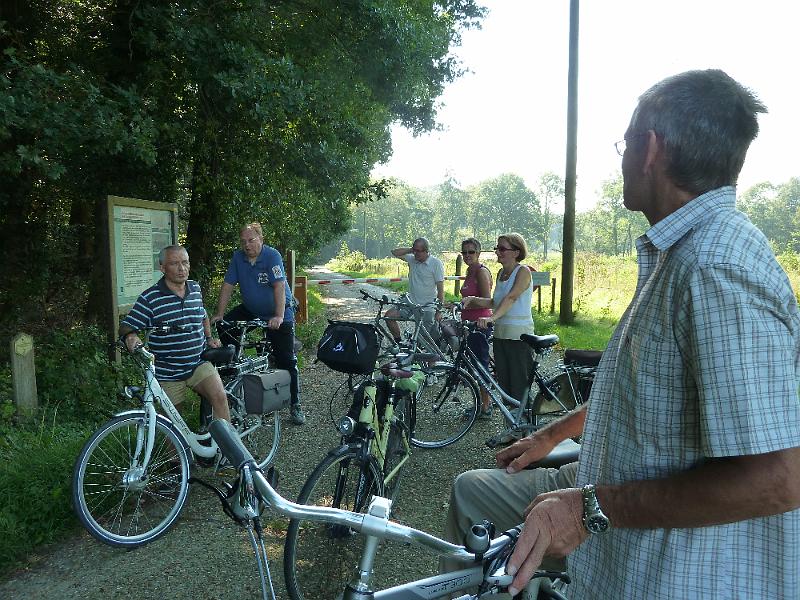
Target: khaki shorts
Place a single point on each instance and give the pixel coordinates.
(176, 390)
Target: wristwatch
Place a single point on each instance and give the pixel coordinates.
(593, 518)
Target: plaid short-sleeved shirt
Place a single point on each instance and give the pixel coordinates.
(704, 363)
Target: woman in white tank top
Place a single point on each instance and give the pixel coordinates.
(511, 315)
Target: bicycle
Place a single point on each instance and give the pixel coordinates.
(420, 338)
(131, 478)
(232, 365)
(447, 416)
(483, 576)
(375, 445)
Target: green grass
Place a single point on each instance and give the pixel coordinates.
(36, 464)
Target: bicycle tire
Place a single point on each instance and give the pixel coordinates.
(261, 434)
(399, 431)
(445, 407)
(133, 513)
(319, 559)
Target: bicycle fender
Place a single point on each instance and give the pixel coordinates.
(166, 423)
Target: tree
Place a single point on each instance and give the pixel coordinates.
(551, 194)
(237, 111)
(503, 204)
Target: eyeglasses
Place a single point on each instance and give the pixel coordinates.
(245, 241)
(622, 144)
(419, 250)
(501, 249)
(465, 252)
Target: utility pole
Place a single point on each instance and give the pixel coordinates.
(566, 315)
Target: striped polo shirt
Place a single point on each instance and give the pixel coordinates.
(177, 354)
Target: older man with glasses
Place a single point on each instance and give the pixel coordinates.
(688, 482)
(425, 282)
(258, 270)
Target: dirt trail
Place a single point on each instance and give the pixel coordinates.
(206, 556)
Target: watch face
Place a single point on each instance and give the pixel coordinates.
(597, 524)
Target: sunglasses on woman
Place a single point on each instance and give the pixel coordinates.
(501, 249)
(469, 252)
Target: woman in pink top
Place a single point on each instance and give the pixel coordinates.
(478, 283)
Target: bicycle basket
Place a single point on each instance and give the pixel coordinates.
(349, 347)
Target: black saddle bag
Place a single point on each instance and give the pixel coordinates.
(349, 347)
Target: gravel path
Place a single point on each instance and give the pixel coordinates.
(207, 556)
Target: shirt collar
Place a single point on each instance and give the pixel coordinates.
(673, 227)
(162, 286)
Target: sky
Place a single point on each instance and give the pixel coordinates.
(508, 114)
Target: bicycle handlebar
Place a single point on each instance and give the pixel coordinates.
(233, 449)
(386, 300)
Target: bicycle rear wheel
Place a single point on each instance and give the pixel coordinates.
(119, 503)
(320, 559)
(445, 407)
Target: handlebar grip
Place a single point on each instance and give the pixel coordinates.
(229, 443)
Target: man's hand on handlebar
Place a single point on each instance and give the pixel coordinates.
(275, 322)
(132, 342)
(553, 527)
(524, 452)
(215, 318)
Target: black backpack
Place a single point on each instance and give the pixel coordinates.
(349, 347)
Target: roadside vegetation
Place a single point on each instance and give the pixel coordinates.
(78, 389)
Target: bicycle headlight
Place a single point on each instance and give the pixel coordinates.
(128, 391)
(346, 425)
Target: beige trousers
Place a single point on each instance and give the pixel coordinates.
(501, 498)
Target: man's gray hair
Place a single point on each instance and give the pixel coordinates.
(174, 248)
(706, 121)
(423, 241)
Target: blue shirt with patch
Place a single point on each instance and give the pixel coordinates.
(256, 282)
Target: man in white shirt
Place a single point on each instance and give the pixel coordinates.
(425, 282)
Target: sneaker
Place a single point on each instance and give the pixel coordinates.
(296, 414)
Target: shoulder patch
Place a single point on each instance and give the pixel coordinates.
(277, 271)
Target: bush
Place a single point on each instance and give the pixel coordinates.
(74, 377)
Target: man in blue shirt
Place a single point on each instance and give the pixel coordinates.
(259, 271)
(176, 300)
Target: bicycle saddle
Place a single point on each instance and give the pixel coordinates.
(218, 356)
(539, 342)
(563, 454)
(583, 358)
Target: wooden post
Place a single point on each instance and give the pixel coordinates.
(457, 283)
(290, 269)
(553, 297)
(539, 299)
(23, 375)
(301, 295)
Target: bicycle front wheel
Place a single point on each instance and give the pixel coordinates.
(445, 407)
(261, 434)
(119, 502)
(319, 559)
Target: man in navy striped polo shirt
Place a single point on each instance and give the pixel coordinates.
(176, 300)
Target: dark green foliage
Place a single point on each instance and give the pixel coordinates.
(250, 110)
(35, 486)
(74, 378)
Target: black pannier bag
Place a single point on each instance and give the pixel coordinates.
(267, 391)
(349, 347)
